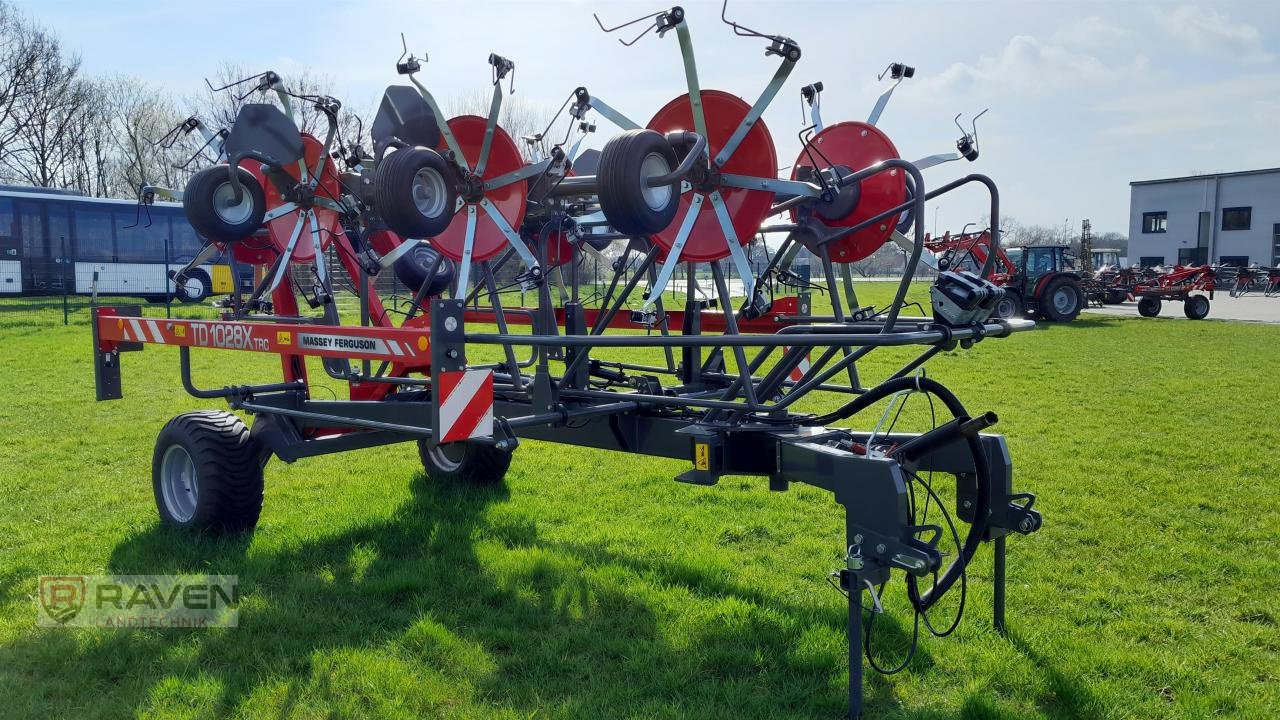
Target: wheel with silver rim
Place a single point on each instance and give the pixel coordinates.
(415, 192)
(1062, 299)
(1196, 307)
(178, 485)
(214, 208)
(627, 164)
(206, 473)
(468, 463)
(1008, 307)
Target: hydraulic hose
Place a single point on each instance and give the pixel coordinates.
(982, 469)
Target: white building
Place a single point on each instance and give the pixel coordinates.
(1231, 218)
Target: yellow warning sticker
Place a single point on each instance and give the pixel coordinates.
(701, 456)
(284, 337)
(180, 331)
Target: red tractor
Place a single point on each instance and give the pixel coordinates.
(1038, 280)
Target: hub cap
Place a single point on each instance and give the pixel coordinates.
(178, 486)
(1064, 301)
(448, 457)
(225, 205)
(654, 165)
(429, 193)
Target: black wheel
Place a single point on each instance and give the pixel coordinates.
(1148, 306)
(206, 473)
(629, 204)
(1196, 307)
(415, 192)
(212, 209)
(466, 463)
(195, 287)
(1115, 297)
(1010, 306)
(1062, 299)
(413, 267)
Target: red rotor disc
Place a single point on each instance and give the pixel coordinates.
(559, 249)
(282, 227)
(504, 157)
(755, 156)
(854, 146)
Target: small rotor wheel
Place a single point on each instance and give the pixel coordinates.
(212, 208)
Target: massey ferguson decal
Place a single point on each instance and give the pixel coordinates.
(346, 343)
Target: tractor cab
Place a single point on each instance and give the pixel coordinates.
(1036, 262)
(1106, 257)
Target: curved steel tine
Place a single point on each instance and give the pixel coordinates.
(741, 30)
(650, 16)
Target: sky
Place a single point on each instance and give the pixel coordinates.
(1084, 96)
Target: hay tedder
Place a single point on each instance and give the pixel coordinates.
(755, 385)
(1192, 285)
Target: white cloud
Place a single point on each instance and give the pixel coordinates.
(1212, 33)
(1028, 65)
(1091, 32)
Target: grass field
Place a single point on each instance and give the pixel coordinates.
(592, 586)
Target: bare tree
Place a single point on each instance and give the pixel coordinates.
(42, 148)
(140, 115)
(19, 65)
(218, 108)
(519, 117)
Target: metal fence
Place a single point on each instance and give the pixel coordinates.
(57, 291)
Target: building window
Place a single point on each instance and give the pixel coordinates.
(1155, 222)
(1236, 218)
(1275, 244)
(1193, 256)
(1236, 260)
(1148, 261)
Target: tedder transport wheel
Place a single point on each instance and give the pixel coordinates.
(629, 204)
(1148, 306)
(1010, 306)
(415, 192)
(1196, 307)
(412, 269)
(1115, 297)
(466, 463)
(207, 473)
(1062, 300)
(209, 201)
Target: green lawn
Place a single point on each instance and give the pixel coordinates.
(593, 586)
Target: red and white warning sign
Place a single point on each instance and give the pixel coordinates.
(797, 372)
(465, 405)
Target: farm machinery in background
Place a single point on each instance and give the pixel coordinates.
(1250, 279)
(445, 203)
(1038, 281)
(1192, 285)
